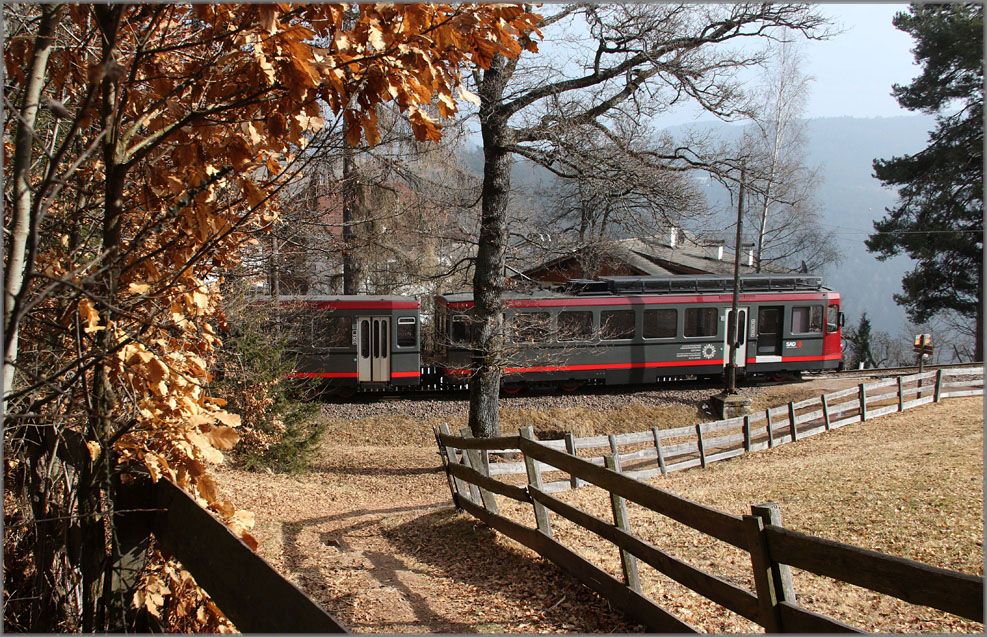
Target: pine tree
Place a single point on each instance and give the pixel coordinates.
(860, 344)
(938, 220)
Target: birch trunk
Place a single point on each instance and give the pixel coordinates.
(21, 173)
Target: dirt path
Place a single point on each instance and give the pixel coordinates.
(370, 534)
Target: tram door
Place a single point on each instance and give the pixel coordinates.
(741, 337)
(374, 353)
(769, 330)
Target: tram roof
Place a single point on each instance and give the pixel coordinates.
(658, 285)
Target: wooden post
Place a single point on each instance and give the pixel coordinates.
(473, 461)
(747, 434)
(474, 490)
(445, 461)
(825, 406)
(772, 581)
(767, 417)
(661, 454)
(863, 402)
(937, 395)
(699, 443)
(627, 561)
(570, 447)
(612, 439)
(901, 394)
(770, 513)
(791, 422)
(459, 487)
(133, 514)
(534, 479)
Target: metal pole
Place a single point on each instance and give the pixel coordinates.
(733, 325)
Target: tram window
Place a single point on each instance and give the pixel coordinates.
(807, 319)
(660, 323)
(832, 318)
(407, 334)
(297, 335)
(531, 327)
(331, 330)
(617, 325)
(701, 321)
(365, 339)
(460, 330)
(575, 326)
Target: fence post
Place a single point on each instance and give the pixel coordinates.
(661, 454)
(445, 461)
(772, 581)
(459, 487)
(627, 561)
(467, 462)
(747, 434)
(901, 394)
(133, 506)
(825, 407)
(570, 448)
(791, 421)
(863, 402)
(767, 417)
(482, 465)
(938, 391)
(699, 443)
(534, 479)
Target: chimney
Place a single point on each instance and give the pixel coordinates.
(672, 236)
(749, 247)
(719, 250)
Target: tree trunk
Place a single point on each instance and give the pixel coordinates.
(21, 218)
(978, 338)
(488, 273)
(351, 193)
(99, 542)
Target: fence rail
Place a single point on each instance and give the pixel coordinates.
(254, 596)
(773, 549)
(661, 451)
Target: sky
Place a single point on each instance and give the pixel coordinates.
(852, 71)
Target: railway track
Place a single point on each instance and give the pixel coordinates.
(890, 371)
(436, 391)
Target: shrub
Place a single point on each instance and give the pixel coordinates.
(281, 428)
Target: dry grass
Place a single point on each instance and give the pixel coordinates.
(410, 422)
(370, 533)
(907, 484)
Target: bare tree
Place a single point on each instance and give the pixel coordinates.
(639, 60)
(609, 186)
(382, 219)
(782, 186)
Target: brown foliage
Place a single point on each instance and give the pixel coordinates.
(167, 130)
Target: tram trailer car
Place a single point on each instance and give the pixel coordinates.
(623, 330)
(355, 340)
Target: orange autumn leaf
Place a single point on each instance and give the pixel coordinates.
(223, 437)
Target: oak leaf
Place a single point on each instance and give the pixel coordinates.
(225, 417)
(223, 437)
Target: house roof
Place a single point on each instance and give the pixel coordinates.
(655, 256)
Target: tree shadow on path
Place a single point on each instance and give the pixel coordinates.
(524, 592)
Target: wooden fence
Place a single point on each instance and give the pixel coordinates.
(773, 549)
(645, 454)
(248, 590)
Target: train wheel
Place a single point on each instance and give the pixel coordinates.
(571, 386)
